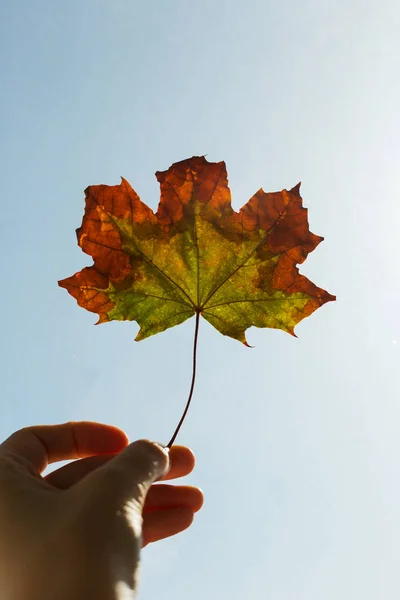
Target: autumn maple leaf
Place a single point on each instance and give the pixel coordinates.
(196, 255)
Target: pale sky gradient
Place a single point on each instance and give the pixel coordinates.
(297, 440)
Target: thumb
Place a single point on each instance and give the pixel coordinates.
(127, 477)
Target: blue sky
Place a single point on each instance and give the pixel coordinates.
(297, 440)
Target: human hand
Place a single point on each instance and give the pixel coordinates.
(77, 533)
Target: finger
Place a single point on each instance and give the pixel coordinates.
(44, 444)
(181, 459)
(163, 496)
(164, 523)
(182, 462)
(129, 475)
(66, 476)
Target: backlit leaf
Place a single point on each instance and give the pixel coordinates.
(196, 255)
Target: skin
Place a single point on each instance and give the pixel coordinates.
(78, 531)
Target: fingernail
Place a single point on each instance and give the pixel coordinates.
(165, 451)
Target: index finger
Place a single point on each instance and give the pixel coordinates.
(181, 460)
(41, 445)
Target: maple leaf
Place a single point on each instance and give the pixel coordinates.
(196, 255)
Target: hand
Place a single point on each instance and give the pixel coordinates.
(77, 533)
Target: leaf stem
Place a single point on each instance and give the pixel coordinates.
(196, 335)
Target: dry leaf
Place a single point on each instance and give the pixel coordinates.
(196, 255)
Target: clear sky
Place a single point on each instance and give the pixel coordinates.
(297, 440)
